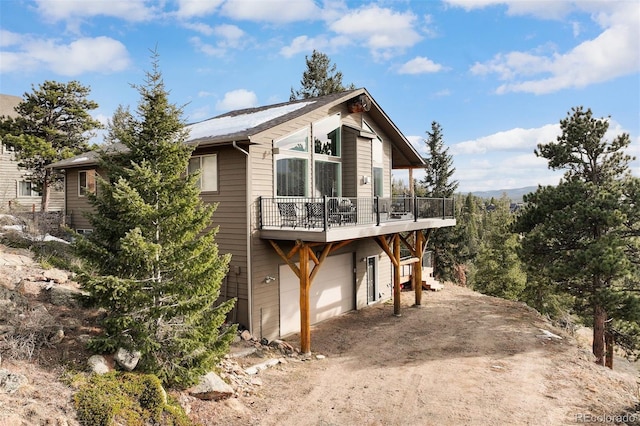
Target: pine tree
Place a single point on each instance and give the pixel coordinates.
(53, 123)
(499, 271)
(152, 262)
(439, 171)
(320, 78)
(445, 243)
(584, 234)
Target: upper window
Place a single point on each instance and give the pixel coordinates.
(301, 168)
(298, 141)
(208, 167)
(326, 136)
(86, 182)
(26, 189)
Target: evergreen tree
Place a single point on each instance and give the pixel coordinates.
(319, 79)
(151, 261)
(439, 171)
(445, 243)
(583, 234)
(499, 272)
(53, 123)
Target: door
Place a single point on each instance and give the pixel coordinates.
(332, 293)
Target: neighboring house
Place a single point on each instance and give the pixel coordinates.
(16, 191)
(305, 208)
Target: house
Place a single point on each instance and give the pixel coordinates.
(305, 208)
(16, 192)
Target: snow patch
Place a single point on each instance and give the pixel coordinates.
(232, 124)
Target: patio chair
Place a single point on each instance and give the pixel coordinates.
(315, 214)
(288, 215)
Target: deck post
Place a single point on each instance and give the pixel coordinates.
(396, 275)
(305, 313)
(417, 267)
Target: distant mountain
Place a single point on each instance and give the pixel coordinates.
(514, 194)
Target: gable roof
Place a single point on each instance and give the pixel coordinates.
(242, 125)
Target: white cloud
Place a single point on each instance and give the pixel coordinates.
(206, 48)
(615, 52)
(274, 11)
(199, 27)
(541, 9)
(441, 93)
(306, 44)
(419, 65)
(510, 140)
(229, 36)
(99, 54)
(129, 10)
(199, 8)
(237, 99)
(384, 31)
(7, 38)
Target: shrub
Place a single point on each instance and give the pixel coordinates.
(126, 398)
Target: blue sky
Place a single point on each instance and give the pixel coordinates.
(497, 75)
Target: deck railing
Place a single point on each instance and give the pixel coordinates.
(323, 213)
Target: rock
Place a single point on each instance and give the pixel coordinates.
(57, 337)
(6, 282)
(11, 382)
(29, 288)
(245, 335)
(63, 296)
(56, 275)
(98, 364)
(320, 356)
(262, 366)
(126, 359)
(211, 387)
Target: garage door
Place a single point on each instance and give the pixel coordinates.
(332, 293)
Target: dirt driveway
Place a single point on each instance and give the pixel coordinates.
(462, 358)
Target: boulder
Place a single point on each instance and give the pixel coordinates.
(98, 364)
(211, 387)
(11, 382)
(63, 296)
(126, 359)
(245, 335)
(56, 275)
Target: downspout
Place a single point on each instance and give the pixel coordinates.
(248, 236)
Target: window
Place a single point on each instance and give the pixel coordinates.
(27, 189)
(377, 161)
(298, 141)
(327, 179)
(291, 177)
(86, 182)
(301, 169)
(378, 186)
(326, 136)
(208, 167)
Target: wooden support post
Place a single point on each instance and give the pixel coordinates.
(305, 310)
(396, 275)
(417, 267)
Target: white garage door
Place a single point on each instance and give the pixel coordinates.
(332, 293)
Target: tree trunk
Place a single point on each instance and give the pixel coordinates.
(599, 319)
(44, 202)
(609, 343)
